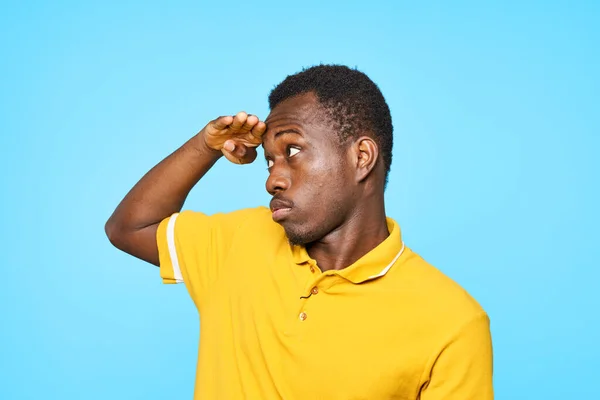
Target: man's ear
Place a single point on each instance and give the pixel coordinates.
(366, 153)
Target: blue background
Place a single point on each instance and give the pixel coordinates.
(495, 175)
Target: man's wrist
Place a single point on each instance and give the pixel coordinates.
(199, 144)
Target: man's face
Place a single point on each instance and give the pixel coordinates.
(310, 174)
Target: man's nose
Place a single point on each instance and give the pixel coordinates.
(278, 181)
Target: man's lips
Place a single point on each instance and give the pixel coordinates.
(280, 208)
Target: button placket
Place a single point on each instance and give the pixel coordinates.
(310, 301)
(303, 315)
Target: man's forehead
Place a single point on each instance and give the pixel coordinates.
(283, 124)
(299, 110)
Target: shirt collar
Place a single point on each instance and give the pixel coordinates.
(376, 263)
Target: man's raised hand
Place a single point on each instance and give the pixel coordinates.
(235, 136)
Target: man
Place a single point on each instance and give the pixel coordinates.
(317, 297)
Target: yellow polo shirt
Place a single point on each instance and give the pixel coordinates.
(273, 326)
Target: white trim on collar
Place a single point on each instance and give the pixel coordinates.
(386, 269)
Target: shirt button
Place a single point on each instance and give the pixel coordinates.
(312, 269)
(303, 316)
(314, 290)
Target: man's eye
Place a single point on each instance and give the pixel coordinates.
(270, 163)
(292, 151)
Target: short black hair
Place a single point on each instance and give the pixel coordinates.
(349, 97)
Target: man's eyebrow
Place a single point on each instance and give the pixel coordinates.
(287, 131)
(281, 132)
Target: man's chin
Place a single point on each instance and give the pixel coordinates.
(297, 238)
(294, 241)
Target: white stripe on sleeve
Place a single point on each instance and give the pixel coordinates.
(172, 250)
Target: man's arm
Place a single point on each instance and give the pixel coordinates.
(463, 370)
(163, 190)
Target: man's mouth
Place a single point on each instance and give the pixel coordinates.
(280, 214)
(280, 208)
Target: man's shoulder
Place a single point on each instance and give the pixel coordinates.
(257, 223)
(237, 218)
(438, 296)
(247, 223)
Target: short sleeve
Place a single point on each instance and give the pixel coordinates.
(463, 369)
(192, 247)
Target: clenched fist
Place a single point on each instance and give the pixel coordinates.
(236, 137)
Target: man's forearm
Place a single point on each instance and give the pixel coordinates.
(163, 190)
(160, 193)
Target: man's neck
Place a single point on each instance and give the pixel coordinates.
(352, 240)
